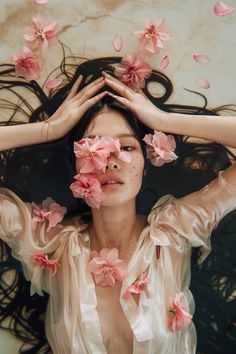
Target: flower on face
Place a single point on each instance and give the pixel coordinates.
(152, 37)
(106, 267)
(41, 33)
(88, 188)
(132, 71)
(42, 260)
(160, 148)
(137, 286)
(48, 211)
(179, 319)
(113, 146)
(28, 64)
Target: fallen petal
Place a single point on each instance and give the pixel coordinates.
(221, 9)
(117, 43)
(202, 82)
(165, 61)
(40, 2)
(201, 59)
(52, 83)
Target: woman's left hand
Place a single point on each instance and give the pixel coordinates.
(138, 103)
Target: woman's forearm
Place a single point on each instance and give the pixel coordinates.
(220, 129)
(14, 136)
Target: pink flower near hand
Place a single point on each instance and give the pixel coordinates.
(106, 267)
(41, 33)
(180, 319)
(160, 148)
(28, 64)
(132, 71)
(48, 211)
(137, 286)
(42, 260)
(89, 188)
(91, 154)
(152, 37)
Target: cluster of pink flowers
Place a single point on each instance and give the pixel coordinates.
(49, 211)
(179, 318)
(106, 267)
(42, 260)
(91, 157)
(37, 38)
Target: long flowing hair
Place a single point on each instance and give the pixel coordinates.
(43, 170)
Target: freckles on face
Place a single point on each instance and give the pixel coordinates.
(135, 168)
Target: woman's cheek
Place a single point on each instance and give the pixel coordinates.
(136, 169)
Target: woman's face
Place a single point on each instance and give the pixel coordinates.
(112, 123)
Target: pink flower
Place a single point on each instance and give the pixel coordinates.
(180, 319)
(91, 154)
(42, 260)
(160, 148)
(152, 37)
(107, 267)
(117, 43)
(137, 286)
(41, 33)
(113, 146)
(132, 71)
(28, 64)
(221, 9)
(89, 188)
(49, 211)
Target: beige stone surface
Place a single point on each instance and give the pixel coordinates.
(88, 27)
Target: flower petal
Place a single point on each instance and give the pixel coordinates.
(52, 83)
(221, 9)
(202, 82)
(117, 43)
(164, 62)
(201, 58)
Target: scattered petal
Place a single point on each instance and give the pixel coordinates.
(106, 267)
(202, 82)
(201, 58)
(117, 43)
(52, 83)
(160, 148)
(132, 71)
(152, 37)
(179, 319)
(221, 9)
(164, 62)
(28, 64)
(40, 2)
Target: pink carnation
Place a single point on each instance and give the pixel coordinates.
(132, 71)
(28, 64)
(160, 148)
(107, 267)
(49, 211)
(137, 286)
(180, 319)
(152, 37)
(113, 146)
(41, 33)
(89, 188)
(42, 260)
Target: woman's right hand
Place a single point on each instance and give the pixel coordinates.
(73, 108)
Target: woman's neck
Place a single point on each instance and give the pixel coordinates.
(117, 226)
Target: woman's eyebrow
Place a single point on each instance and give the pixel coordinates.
(91, 136)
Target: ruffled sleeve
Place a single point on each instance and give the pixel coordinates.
(196, 215)
(32, 249)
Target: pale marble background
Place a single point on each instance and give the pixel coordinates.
(88, 27)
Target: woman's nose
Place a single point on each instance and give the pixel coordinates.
(112, 164)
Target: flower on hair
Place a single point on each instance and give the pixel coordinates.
(49, 211)
(88, 188)
(42, 260)
(152, 37)
(137, 286)
(160, 148)
(41, 33)
(27, 64)
(132, 71)
(221, 9)
(92, 154)
(106, 267)
(179, 318)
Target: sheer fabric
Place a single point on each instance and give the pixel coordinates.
(72, 322)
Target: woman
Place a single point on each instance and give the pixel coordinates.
(119, 284)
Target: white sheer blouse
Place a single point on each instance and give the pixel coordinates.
(72, 322)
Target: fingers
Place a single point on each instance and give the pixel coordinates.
(92, 101)
(123, 100)
(74, 88)
(118, 86)
(90, 90)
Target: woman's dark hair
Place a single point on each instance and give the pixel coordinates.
(43, 170)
